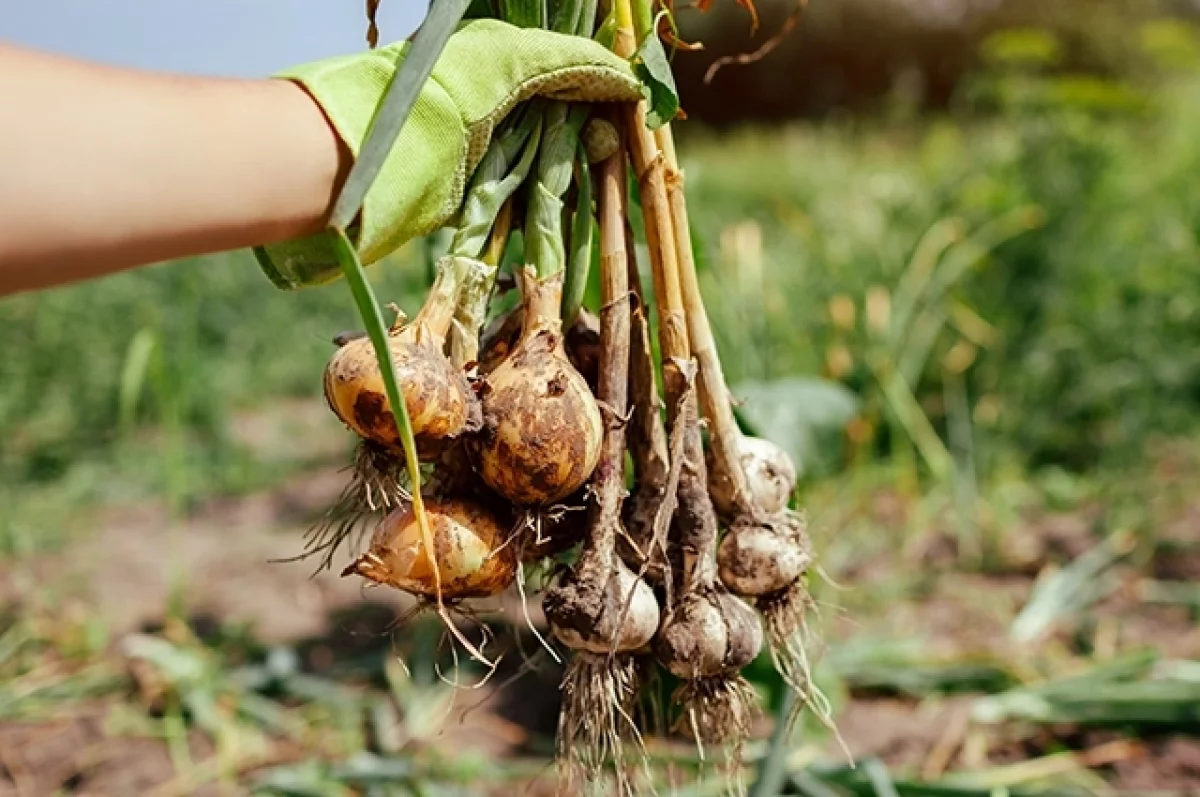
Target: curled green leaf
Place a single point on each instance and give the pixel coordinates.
(653, 69)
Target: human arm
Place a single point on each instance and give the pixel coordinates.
(104, 168)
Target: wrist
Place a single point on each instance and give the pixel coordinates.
(320, 157)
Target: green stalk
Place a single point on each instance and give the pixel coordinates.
(495, 180)
(390, 115)
(476, 272)
(772, 770)
(368, 308)
(544, 215)
(560, 139)
(582, 230)
(577, 17)
(587, 18)
(643, 18)
(524, 13)
(565, 16)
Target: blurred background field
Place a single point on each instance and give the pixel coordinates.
(950, 250)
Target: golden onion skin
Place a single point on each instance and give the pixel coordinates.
(542, 430)
(468, 539)
(440, 403)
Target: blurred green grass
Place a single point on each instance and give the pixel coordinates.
(132, 387)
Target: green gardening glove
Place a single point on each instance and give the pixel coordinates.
(488, 67)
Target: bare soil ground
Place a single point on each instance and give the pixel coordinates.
(218, 561)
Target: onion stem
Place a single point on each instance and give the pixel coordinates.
(476, 291)
(613, 381)
(714, 393)
(544, 248)
(660, 239)
(649, 443)
(695, 519)
(498, 241)
(488, 218)
(496, 179)
(642, 18)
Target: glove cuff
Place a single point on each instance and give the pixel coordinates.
(487, 68)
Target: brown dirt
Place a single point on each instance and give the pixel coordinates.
(77, 755)
(221, 552)
(919, 738)
(1172, 763)
(901, 732)
(219, 557)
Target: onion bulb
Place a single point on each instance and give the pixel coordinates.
(770, 477)
(587, 619)
(708, 634)
(542, 429)
(468, 539)
(581, 340)
(439, 400)
(763, 556)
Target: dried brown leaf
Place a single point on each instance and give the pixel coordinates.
(770, 44)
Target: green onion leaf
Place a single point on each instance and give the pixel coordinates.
(652, 67)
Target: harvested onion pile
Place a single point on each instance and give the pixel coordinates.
(691, 571)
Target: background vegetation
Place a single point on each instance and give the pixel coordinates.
(959, 283)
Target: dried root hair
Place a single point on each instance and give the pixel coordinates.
(718, 712)
(452, 638)
(378, 485)
(539, 533)
(596, 723)
(793, 644)
(650, 712)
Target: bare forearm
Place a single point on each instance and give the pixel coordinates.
(105, 169)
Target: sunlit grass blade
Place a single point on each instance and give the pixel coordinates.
(929, 250)
(1042, 777)
(134, 375)
(907, 409)
(368, 308)
(1043, 702)
(772, 770)
(1060, 593)
(879, 776)
(1171, 593)
(907, 668)
(1063, 773)
(1164, 704)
